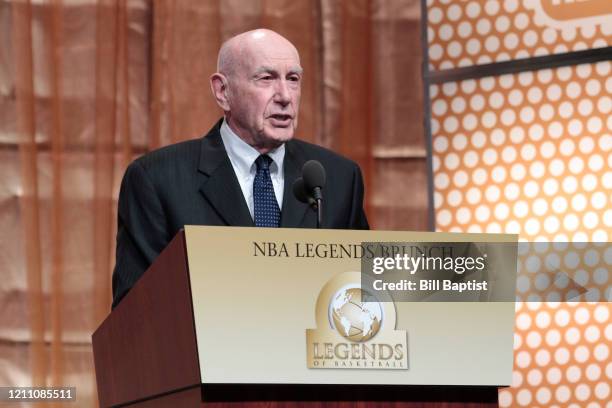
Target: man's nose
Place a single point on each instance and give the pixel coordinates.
(282, 94)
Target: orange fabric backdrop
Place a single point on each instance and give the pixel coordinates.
(87, 86)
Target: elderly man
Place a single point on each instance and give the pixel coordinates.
(241, 172)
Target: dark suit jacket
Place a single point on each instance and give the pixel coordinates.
(193, 183)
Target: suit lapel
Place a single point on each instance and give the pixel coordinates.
(220, 186)
(294, 212)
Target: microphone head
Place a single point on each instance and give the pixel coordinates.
(299, 191)
(313, 174)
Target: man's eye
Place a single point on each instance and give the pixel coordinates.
(266, 77)
(294, 78)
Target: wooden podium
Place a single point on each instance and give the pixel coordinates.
(146, 355)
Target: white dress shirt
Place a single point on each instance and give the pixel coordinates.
(243, 156)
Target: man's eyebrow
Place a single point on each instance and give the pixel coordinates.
(263, 70)
(296, 70)
(266, 69)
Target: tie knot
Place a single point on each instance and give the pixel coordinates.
(263, 162)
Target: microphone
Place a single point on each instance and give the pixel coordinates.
(313, 176)
(299, 191)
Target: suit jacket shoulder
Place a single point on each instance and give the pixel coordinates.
(182, 153)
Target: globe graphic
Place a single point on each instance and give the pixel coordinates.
(355, 314)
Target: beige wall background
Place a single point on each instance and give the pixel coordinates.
(530, 153)
(86, 86)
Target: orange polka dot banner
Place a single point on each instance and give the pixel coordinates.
(526, 153)
(463, 33)
(561, 356)
(531, 154)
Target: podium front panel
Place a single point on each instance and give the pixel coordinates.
(264, 312)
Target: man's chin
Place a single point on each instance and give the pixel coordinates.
(279, 136)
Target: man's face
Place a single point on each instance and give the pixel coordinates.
(264, 93)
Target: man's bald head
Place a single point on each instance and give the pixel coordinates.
(234, 52)
(258, 86)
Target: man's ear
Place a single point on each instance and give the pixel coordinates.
(218, 86)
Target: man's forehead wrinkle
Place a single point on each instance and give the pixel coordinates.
(267, 68)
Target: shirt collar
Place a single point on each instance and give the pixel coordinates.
(243, 155)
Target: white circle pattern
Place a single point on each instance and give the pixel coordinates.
(545, 177)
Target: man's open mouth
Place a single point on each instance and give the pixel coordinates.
(280, 119)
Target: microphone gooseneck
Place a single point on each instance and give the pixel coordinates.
(313, 178)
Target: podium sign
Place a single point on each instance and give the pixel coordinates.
(285, 306)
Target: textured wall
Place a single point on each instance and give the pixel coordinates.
(530, 153)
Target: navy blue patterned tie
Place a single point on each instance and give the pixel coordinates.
(266, 211)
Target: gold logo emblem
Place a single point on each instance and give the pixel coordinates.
(355, 314)
(355, 329)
